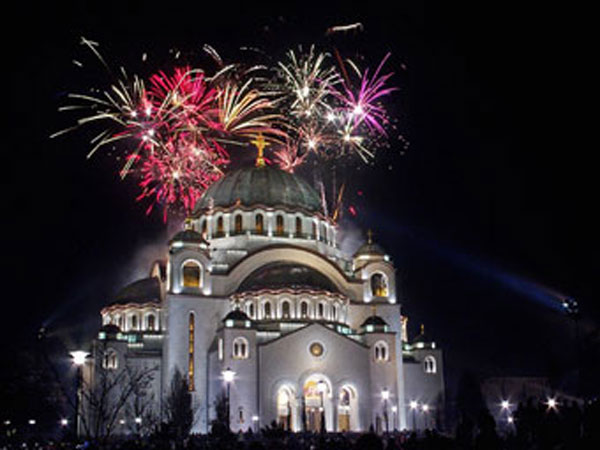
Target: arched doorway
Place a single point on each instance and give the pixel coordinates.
(317, 412)
(287, 408)
(348, 409)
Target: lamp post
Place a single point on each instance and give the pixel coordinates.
(425, 409)
(385, 395)
(413, 406)
(394, 415)
(78, 357)
(255, 423)
(228, 376)
(322, 387)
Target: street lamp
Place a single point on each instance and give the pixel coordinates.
(385, 395)
(228, 376)
(255, 422)
(64, 422)
(322, 388)
(552, 403)
(425, 409)
(505, 405)
(413, 406)
(78, 357)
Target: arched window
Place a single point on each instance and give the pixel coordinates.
(110, 359)
(298, 227)
(240, 348)
(134, 322)
(285, 310)
(279, 225)
(304, 310)
(251, 310)
(320, 311)
(120, 322)
(238, 224)
(203, 229)
(259, 222)
(334, 311)
(192, 274)
(323, 236)
(220, 228)
(429, 364)
(191, 348)
(267, 310)
(314, 230)
(381, 351)
(379, 286)
(150, 322)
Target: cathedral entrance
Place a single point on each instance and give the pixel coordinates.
(348, 409)
(286, 408)
(316, 408)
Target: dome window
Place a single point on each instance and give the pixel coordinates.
(238, 224)
(192, 274)
(279, 225)
(150, 322)
(259, 224)
(298, 227)
(304, 310)
(267, 310)
(285, 310)
(220, 227)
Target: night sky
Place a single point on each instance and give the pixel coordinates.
(494, 200)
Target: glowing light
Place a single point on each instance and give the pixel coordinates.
(425, 407)
(510, 419)
(552, 403)
(414, 404)
(228, 375)
(79, 357)
(505, 404)
(64, 422)
(31, 422)
(385, 394)
(138, 420)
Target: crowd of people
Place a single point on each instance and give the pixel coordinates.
(535, 426)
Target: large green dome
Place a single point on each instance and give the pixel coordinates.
(266, 186)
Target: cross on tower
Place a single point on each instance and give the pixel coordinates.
(260, 144)
(370, 236)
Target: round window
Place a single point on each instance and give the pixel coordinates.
(316, 349)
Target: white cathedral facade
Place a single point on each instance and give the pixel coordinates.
(256, 299)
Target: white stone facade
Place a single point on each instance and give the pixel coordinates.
(320, 336)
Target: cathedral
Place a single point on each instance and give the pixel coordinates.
(256, 303)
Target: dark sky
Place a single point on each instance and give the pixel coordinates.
(497, 187)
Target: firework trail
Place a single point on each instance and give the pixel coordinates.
(173, 128)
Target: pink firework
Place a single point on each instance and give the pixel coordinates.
(183, 100)
(179, 171)
(363, 106)
(288, 157)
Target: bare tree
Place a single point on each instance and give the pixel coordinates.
(178, 412)
(107, 393)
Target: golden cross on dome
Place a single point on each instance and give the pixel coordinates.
(260, 143)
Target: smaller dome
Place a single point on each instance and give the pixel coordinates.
(374, 320)
(190, 236)
(236, 315)
(422, 337)
(142, 291)
(110, 328)
(369, 249)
